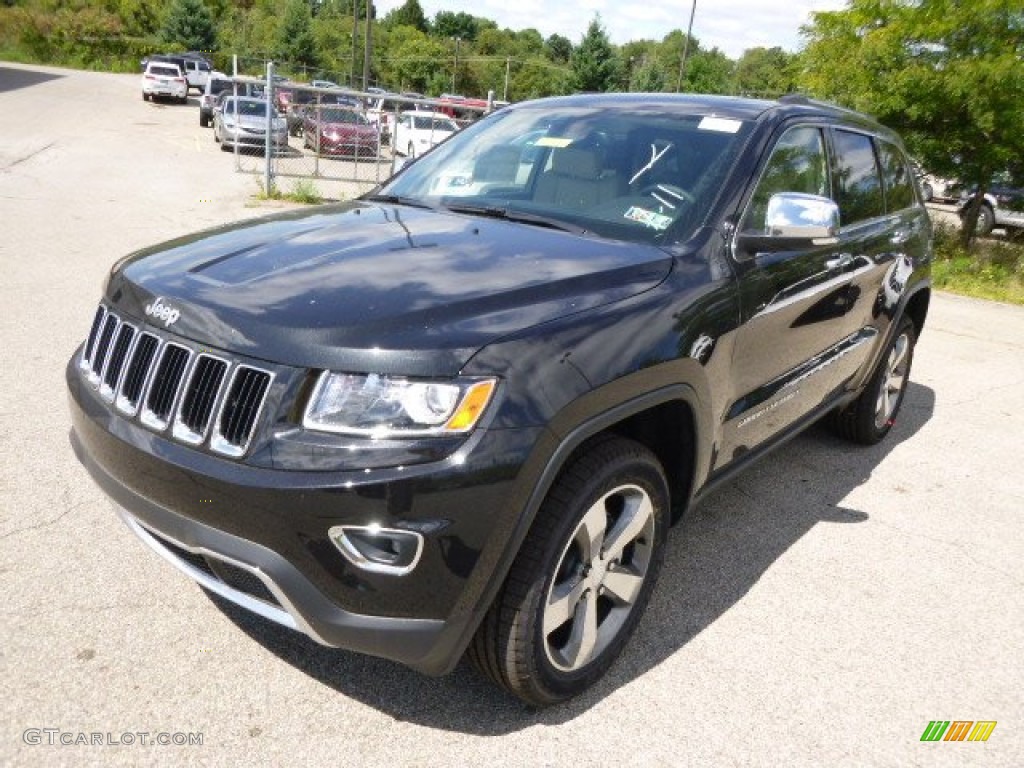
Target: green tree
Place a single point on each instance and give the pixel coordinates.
(189, 24)
(767, 72)
(708, 71)
(410, 14)
(450, 24)
(558, 49)
(295, 41)
(593, 64)
(948, 74)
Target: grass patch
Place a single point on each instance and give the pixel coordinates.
(991, 269)
(303, 191)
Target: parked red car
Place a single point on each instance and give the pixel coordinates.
(335, 130)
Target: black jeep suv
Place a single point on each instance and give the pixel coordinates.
(459, 414)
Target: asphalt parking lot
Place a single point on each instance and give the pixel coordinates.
(819, 611)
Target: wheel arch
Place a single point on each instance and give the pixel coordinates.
(917, 309)
(650, 419)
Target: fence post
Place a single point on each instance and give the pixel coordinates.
(267, 173)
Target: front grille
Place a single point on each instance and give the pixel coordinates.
(118, 355)
(163, 390)
(99, 355)
(135, 375)
(165, 382)
(240, 410)
(94, 333)
(200, 397)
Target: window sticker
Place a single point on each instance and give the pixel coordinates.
(648, 218)
(720, 124)
(553, 141)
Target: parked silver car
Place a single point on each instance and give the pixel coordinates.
(243, 121)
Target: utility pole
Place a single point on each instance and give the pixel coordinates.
(455, 71)
(508, 63)
(368, 42)
(355, 35)
(686, 48)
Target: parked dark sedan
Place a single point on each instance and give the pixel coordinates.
(340, 131)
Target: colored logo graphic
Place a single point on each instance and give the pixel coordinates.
(958, 730)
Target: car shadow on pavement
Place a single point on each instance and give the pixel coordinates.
(13, 79)
(714, 557)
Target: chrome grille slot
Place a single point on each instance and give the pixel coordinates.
(136, 373)
(204, 383)
(164, 386)
(115, 366)
(99, 356)
(94, 333)
(240, 410)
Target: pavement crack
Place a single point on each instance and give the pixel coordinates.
(29, 156)
(68, 509)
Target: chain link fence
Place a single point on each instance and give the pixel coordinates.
(324, 140)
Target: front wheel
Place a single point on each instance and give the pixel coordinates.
(582, 578)
(869, 418)
(411, 151)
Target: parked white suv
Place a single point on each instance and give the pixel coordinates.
(163, 79)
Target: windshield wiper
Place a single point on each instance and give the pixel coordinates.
(501, 212)
(412, 202)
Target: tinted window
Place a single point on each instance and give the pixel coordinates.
(797, 164)
(899, 183)
(858, 186)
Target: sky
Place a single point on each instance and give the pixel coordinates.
(730, 25)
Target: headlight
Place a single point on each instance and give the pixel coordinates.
(389, 406)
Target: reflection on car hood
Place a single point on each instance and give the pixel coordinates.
(364, 286)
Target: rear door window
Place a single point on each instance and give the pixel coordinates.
(857, 180)
(899, 182)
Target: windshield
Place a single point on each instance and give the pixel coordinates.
(625, 173)
(428, 123)
(252, 108)
(342, 116)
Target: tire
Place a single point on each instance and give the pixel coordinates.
(986, 221)
(411, 151)
(534, 640)
(868, 419)
(145, 96)
(204, 121)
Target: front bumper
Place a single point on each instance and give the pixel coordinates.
(242, 137)
(346, 146)
(258, 536)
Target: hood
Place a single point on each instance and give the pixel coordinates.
(370, 287)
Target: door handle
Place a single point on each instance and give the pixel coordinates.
(840, 263)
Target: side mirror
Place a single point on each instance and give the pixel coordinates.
(794, 220)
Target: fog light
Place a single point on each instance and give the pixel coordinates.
(378, 550)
